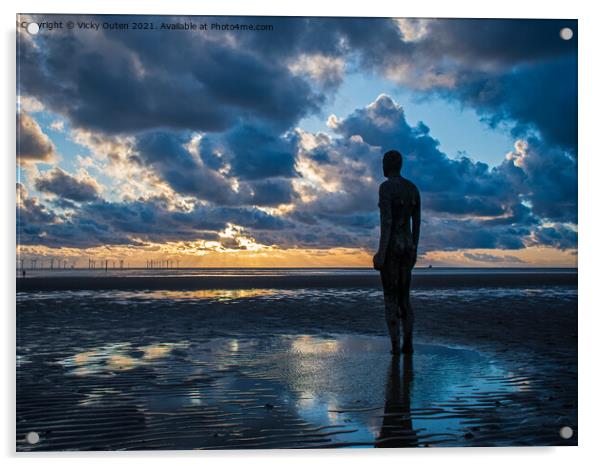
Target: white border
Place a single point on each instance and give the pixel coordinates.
(590, 226)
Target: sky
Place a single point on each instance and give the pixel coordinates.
(233, 147)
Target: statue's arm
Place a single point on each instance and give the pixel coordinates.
(386, 220)
(416, 221)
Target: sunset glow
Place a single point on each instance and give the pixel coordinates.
(270, 156)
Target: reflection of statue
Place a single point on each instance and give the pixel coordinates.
(397, 431)
(399, 202)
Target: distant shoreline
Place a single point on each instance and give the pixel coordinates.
(368, 280)
(418, 268)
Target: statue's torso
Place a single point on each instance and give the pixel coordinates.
(403, 197)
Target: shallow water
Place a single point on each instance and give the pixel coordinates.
(291, 391)
(290, 368)
(341, 294)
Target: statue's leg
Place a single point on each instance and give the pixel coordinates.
(407, 312)
(390, 281)
(392, 316)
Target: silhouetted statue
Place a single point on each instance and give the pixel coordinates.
(399, 202)
(397, 430)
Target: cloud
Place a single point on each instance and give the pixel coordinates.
(328, 190)
(29, 104)
(326, 71)
(255, 152)
(412, 29)
(205, 81)
(513, 72)
(272, 192)
(547, 177)
(245, 167)
(451, 186)
(199, 130)
(165, 152)
(550, 107)
(66, 186)
(451, 234)
(58, 125)
(33, 145)
(134, 223)
(556, 235)
(518, 73)
(466, 204)
(32, 217)
(491, 258)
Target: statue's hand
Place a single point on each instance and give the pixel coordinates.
(378, 261)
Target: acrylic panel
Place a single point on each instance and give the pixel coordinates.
(295, 232)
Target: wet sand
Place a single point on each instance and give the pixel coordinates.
(294, 368)
(366, 279)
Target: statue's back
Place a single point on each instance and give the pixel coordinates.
(404, 199)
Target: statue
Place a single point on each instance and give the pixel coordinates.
(399, 203)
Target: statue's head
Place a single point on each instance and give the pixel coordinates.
(392, 162)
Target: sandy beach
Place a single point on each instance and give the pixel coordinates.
(111, 363)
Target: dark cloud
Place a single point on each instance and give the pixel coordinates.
(527, 200)
(132, 223)
(451, 235)
(515, 72)
(246, 92)
(250, 218)
(466, 204)
(451, 186)
(200, 81)
(64, 204)
(184, 171)
(272, 192)
(256, 152)
(32, 217)
(518, 72)
(499, 42)
(152, 220)
(546, 177)
(33, 145)
(540, 96)
(66, 186)
(556, 235)
(515, 69)
(260, 162)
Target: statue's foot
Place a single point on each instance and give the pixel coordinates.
(395, 352)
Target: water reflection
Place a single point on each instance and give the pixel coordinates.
(345, 296)
(117, 357)
(397, 430)
(298, 389)
(217, 295)
(306, 344)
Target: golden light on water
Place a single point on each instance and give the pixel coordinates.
(117, 357)
(224, 295)
(82, 358)
(156, 351)
(121, 362)
(307, 344)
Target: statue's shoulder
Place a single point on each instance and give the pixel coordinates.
(412, 186)
(385, 185)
